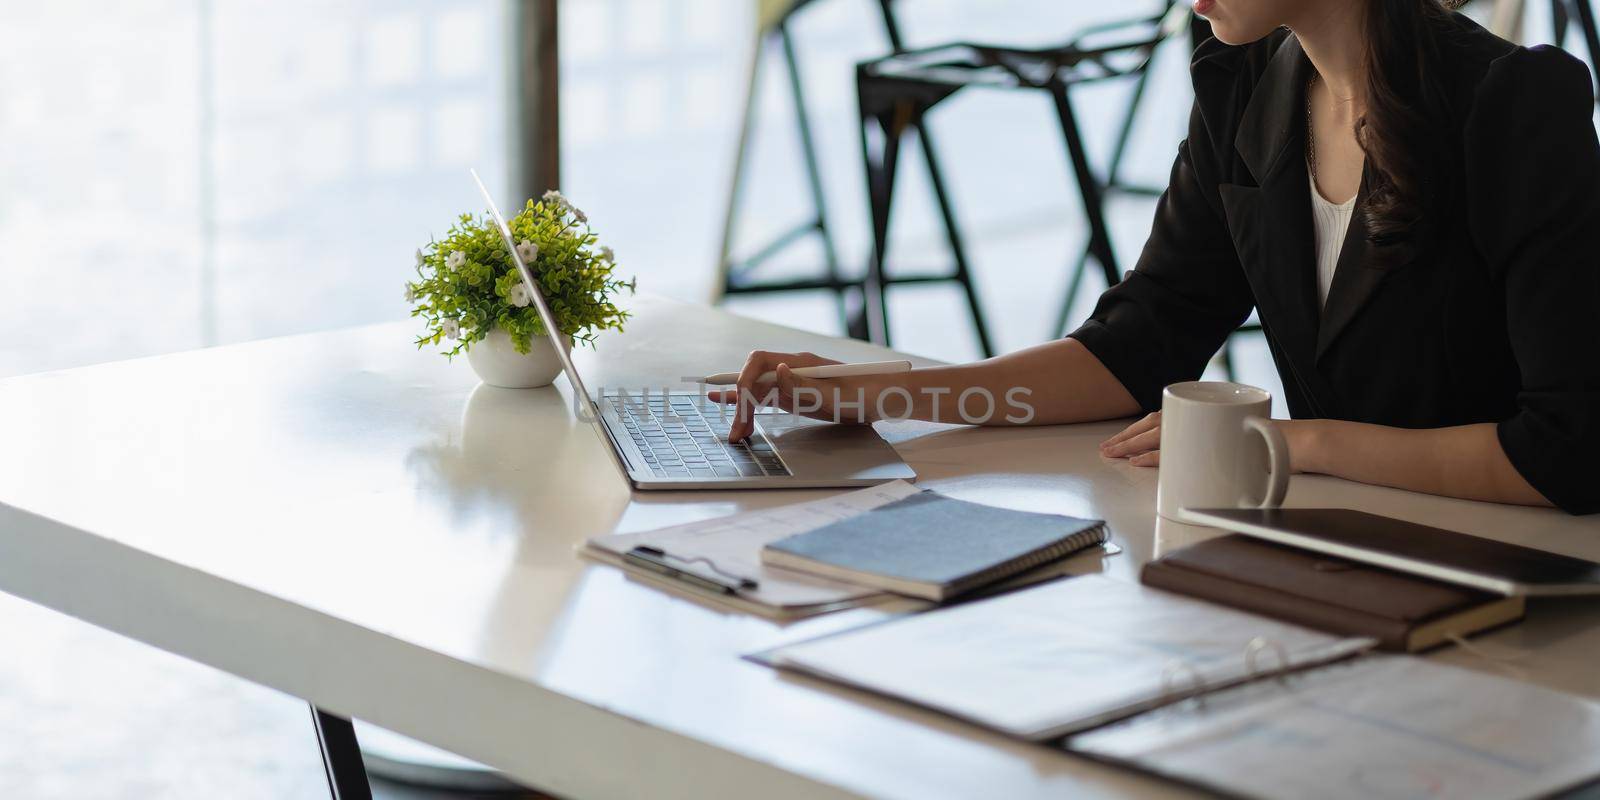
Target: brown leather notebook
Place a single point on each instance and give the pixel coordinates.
(1403, 612)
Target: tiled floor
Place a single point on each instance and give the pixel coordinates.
(88, 714)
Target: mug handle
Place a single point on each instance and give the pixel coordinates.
(1277, 457)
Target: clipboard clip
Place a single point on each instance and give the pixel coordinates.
(659, 561)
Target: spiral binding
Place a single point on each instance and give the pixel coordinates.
(1072, 544)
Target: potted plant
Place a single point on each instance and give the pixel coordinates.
(472, 300)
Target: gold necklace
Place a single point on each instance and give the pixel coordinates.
(1311, 134)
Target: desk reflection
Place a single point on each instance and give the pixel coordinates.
(480, 478)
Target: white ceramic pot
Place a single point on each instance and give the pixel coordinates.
(498, 363)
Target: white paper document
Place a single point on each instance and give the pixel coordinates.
(1062, 657)
(734, 545)
(1375, 727)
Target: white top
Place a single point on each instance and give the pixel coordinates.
(348, 520)
(1329, 221)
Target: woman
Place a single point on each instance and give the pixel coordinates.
(1410, 204)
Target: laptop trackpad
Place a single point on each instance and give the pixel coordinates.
(814, 448)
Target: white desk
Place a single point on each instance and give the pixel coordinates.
(348, 520)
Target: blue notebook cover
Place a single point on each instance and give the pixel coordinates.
(933, 546)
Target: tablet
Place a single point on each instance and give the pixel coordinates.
(1436, 553)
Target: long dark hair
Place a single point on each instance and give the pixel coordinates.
(1406, 109)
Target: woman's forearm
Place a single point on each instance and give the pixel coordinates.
(1051, 383)
(1464, 461)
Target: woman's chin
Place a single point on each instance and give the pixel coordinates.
(1230, 32)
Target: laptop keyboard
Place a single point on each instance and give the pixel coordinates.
(684, 436)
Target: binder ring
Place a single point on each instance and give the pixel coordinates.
(1254, 647)
(1170, 692)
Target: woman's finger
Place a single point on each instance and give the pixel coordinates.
(1150, 459)
(766, 395)
(744, 412)
(746, 395)
(1140, 443)
(1151, 420)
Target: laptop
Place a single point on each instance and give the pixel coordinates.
(678, 440)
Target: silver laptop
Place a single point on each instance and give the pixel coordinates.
(678, 440)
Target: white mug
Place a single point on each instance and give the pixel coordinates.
(1212, 453)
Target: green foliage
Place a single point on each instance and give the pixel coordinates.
(467, 283)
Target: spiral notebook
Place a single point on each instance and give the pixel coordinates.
(934, 547)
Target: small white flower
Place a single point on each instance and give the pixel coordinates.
(455, 259)
(607, 255)
(451, 329)
(421, 261)
(519, 296)
(553, 198)
(528, 250)
(411, 293)
(577, 214)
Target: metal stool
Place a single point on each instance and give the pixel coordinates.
(734, 274)
(896, 92)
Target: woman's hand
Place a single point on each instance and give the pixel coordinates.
(818, 401)
(1050, 383)
(1140, 442)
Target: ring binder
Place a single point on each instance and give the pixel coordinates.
(1255, 646)
(1505, 662)
(1027, 680)
(1170, 693)
(1363, 727)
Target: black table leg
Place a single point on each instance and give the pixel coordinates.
(341, 757)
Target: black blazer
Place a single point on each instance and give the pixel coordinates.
(1496, 320)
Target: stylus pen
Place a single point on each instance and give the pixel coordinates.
(825, 371)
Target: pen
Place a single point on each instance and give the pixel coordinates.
(825, 371)
(655, 560)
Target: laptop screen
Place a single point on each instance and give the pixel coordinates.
(545, 315)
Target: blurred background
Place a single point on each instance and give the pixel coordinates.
(183, 174)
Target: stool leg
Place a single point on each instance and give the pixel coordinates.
(1126, 131)
(1090, 190)
(880, 167)
(958, 250)
(813, 174)
(736, 185)
(1591, 37)
(1073, 287)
